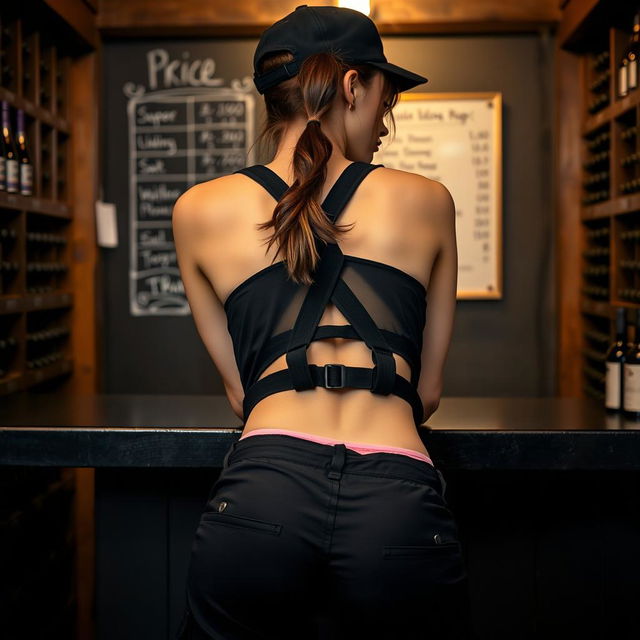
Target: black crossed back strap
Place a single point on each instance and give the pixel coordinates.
(338, 196)
(329, 287)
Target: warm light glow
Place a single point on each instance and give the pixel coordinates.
(363, 6)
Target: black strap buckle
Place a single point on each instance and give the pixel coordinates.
(336, 367)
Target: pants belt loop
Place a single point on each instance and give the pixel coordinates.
(232, 448)
(337, 461)
(443, 483)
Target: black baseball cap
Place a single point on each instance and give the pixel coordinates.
(309, 30)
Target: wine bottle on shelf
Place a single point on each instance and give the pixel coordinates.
(623, 76)
(24, 160)
(614, 360)
(632, 54)
(631, 377)
(3, 164)
(10, 155)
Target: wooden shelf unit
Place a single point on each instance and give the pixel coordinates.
(48, 306)
(600, 201)
(36, 296)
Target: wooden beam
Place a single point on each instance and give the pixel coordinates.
(79, 16)
(574, 17)
(132, 18)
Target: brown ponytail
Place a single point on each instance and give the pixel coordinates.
(298, 219)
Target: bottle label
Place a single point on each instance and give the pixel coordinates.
(623, 81)
(612, 386)
(632, 387)
(3, 173)
(26, 179)
(12, 175)
(633, 74)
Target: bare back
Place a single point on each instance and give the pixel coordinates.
(398, 221)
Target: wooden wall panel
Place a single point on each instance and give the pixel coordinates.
(567, 171)
(83, 117)
(251, 17)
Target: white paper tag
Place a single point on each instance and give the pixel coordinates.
(106, 224)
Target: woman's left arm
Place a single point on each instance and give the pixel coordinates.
(207, 310)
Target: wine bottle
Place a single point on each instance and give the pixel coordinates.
(623, 75)
(24, 160)
(632, 375)
(3, 164)
(633, 53)
(11, 156)
(614, 359)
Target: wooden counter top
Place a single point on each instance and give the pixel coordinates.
(190, 431)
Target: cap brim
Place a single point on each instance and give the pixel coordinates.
(404, 78)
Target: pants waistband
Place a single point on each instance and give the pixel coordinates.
(336, 458)
(359, 447)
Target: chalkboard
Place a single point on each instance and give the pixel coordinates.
(178, 137)
(456, 139)
(176, 112)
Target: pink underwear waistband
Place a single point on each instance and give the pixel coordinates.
(354, 446)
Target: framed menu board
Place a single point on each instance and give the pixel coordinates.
(456, 139)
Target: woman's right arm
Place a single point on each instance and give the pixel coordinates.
(441, 296)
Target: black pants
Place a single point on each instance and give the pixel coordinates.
(306, 540)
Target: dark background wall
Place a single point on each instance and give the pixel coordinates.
(499, 347)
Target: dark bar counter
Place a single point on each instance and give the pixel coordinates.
(193, 431)
(545, 491)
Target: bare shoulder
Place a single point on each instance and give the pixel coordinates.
(205, 195)
(422, 194)
(201, 205)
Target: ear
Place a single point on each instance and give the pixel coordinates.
(349, 83)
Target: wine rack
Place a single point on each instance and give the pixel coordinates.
(595, 268)
(610, 192)
(599, 81)
(596, 183)
(36, 295)
(47, 260)
(595, 294)
(626, 280)
(596, 342)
